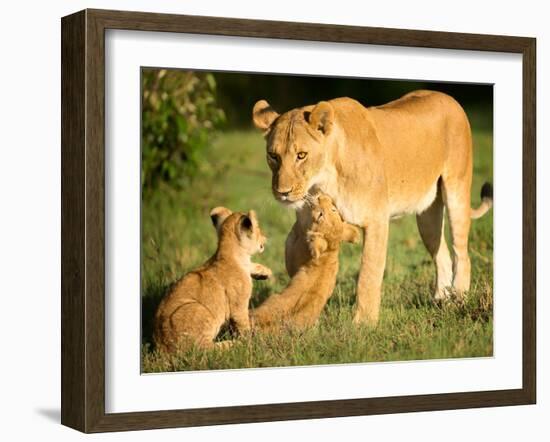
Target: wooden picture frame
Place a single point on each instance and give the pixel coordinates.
(83, 220)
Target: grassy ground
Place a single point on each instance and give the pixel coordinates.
(177, 236)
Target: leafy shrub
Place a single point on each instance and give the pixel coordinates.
(179, 117)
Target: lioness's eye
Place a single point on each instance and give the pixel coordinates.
(273, 156)
(301, 155)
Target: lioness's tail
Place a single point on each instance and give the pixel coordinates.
(486, 202)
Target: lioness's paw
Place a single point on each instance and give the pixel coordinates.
(365, 319)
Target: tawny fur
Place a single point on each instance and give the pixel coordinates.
(196, 307)
(300, 304)
(412, 155)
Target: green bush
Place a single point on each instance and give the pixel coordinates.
(179, 117)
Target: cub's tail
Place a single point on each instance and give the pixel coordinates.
(486, 202)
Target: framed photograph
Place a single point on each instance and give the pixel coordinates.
(267, 221)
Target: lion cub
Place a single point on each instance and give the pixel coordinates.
(301, 303)
(197, 306)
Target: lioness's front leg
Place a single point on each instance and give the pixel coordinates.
(296, 247)
(371, 274)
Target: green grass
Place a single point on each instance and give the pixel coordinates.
(177, 236)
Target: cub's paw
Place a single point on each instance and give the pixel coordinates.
(224, 345)
(260, 272)
(317, 244)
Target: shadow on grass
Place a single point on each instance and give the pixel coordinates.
(150, 300)
(417, 295)
(410, 294)
(261, 292)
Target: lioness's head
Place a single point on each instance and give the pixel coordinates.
(238, 227)
(295, 147)
(327, 228)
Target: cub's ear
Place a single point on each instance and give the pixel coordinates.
(324, 199)
(322, 117)
(252, 215)
(246, 225)
(218, 215)
(351, 233)
(263, 115)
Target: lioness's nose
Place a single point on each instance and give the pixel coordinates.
(284, 192)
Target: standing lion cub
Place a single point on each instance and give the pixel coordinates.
(197, 306)
(301, 303)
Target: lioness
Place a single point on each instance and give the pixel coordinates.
(412, 155)
(300, 304)
(196, 307)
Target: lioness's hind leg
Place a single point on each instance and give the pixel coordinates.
(457, 201)
(431, 225)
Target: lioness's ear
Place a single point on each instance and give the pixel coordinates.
(263, 115)
(218, 215)
(351, 233)
(322, 117)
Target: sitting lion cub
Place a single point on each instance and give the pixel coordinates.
(196, 307)
(301, 303)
